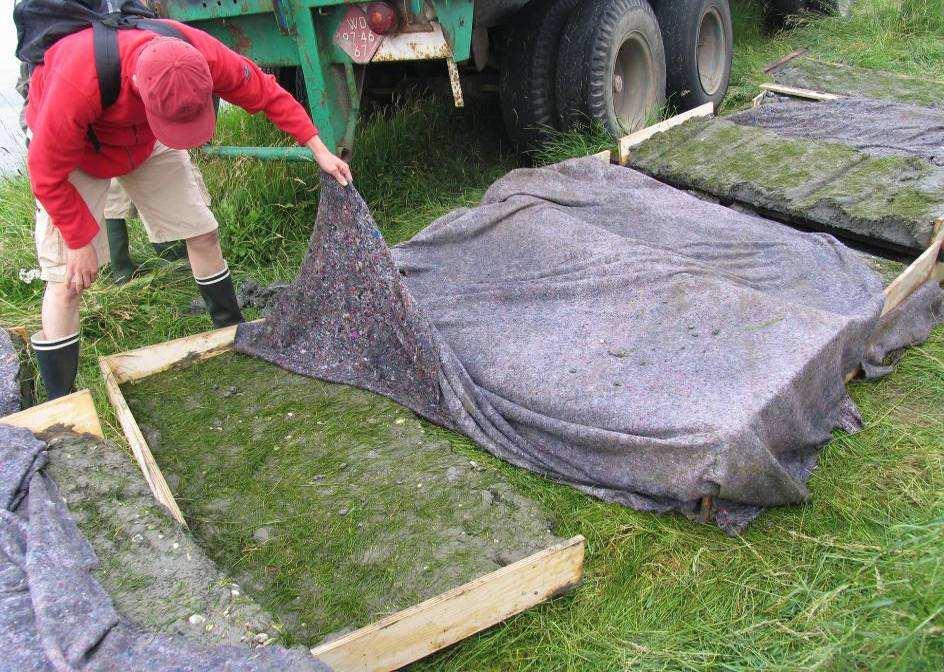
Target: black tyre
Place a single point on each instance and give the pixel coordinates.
(698, 41)
(611, 66)
(528, 74)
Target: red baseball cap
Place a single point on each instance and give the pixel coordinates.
(174, 81)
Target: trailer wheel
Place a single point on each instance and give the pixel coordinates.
(697, 38)
(528, 73)
(611, 66)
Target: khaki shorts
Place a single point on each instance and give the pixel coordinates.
(167, 190)
(118, 204)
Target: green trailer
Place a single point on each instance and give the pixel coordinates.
(560, 63)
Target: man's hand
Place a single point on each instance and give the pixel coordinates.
(81, 268)
(330, 163)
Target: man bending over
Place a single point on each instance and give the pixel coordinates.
(165, 106)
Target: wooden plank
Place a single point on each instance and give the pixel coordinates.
(74, 411)
(938, 272)
(783, 61)
(21, 333)
(627, 142)
(606, 156)
(418, 631)
(918, 273)
(143, 362)
(796, 92)
(139, 447)
(922, 269)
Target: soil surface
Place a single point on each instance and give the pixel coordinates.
(330, 505)
(888, 201)
(809, 73)
(154, 571)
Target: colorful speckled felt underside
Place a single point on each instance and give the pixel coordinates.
(600, 328)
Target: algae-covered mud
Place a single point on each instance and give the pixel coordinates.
(889, 200)
(330, 505)
(156, 574)
(809, 73)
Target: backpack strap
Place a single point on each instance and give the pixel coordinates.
(107, 63)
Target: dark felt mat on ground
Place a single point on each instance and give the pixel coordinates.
(55, 616)
(598, 327)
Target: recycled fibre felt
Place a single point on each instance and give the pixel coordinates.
(330, 505)
(10, 401)
(875, 127)
(603, 329)
(888, 200)
(847, 80)
(54, 615)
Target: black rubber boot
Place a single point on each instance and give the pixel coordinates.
(58, 363)
(122, 268)
(172, 250)
(220, 299)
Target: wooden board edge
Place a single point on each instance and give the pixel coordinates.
(627, 142)
(926, 267)
(21, 333)
(139, 447)
(423, 629)
(74, 411)
(797, 92)
(918, 272)
(606, 156)
(146, 361)
(786, 59)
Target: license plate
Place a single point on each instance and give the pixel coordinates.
(356, 38)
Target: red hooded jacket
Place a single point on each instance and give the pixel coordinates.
(64, 101)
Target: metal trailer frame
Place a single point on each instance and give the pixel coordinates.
(285, 33)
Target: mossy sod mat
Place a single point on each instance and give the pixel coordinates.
(330, 506)
(845, 80)
(155, 573)
(889, 201)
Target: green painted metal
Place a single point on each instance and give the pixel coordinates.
(285, 33)
(455, 17)
(262, 153)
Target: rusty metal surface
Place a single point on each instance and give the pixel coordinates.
(430, 45)
(455, 83)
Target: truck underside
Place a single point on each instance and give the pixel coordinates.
(561, 63)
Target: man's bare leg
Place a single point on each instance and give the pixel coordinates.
(206, 256)
(213, 279)
(60, 313)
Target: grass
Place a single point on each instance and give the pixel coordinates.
(353, 534)
(852, 580)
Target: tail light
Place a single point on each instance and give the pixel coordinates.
(381, 17)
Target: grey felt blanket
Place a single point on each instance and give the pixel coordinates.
(54, 616)
(600, 328)
(9, 375)
(876, 127)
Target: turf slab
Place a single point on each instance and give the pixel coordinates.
(331, 506)
(846, 80)
(890, 201)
